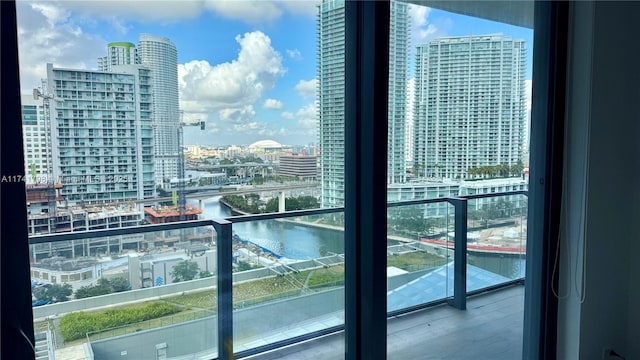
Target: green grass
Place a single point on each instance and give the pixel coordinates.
(257, 292)
(322, 277)
(201, 300)
(187, 315)
(415, 261)
(76, 325)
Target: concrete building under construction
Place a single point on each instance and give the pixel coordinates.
(167, 214)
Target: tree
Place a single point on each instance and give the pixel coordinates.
(104, 286)
(272, 205)
(184, 271)
(243, 266)
(54, 292)
(119, 284)
(90, 290)
(204, 274)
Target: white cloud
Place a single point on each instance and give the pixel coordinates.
(252, 12)
(119, 25)
(308, 8)
(47, 33)
(52, 13)
(424, 30)
(237, 115)
(295, 54)
(259, 12)
(287, 115)
(259, 129)
(272, 104)
(165, 11)
(231, 86)
(307, 117)
(307, 88)
(251, 127)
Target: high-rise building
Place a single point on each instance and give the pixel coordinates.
(101, 133)
(469, 106)
(159, 54)
(408, 126)
(330, 71)
(399, 35)
(34, 135)
(119, 53)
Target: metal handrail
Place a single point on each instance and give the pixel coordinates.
(140, 229)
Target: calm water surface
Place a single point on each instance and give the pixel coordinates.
(303, 242)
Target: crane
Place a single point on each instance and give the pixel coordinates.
(51, 191)
(182, 199)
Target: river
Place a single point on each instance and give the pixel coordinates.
(304, 242)
(283, 238)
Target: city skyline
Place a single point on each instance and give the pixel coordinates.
(272, 68)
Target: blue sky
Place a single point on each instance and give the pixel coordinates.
(247, 68)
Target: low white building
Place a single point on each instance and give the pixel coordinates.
(441, 189)
(155, 269)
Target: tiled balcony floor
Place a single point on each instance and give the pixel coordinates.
(490, 328)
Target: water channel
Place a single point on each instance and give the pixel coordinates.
(295, 241)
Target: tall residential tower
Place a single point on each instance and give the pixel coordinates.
(119, 53)
(469, 108)
(399, 36)
(159, 54)
(331, 82)
(34, 134)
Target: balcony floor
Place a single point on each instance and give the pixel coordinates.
(490, 328)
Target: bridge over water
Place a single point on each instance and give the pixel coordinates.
(211, 193)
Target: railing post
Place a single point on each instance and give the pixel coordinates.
(225, 288)
(460, 254)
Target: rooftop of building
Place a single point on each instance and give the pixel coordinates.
(265, 144)
(92, 212)
(167, 211)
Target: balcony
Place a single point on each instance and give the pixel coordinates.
(491, 328)
(270, 281)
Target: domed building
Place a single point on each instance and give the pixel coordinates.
(265, 146)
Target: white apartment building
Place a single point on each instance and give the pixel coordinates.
(469, 108)
(399, 35)
(101, 133)
(119, 53)
(331, 52)
(160, 55)
(331, 44)
(34, 134)
(439, 189)
(408, 126)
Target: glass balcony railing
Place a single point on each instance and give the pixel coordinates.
(258, 282)
(418, 270)
(295, 286)
(496, 242)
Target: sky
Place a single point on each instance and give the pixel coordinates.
(248, 68)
